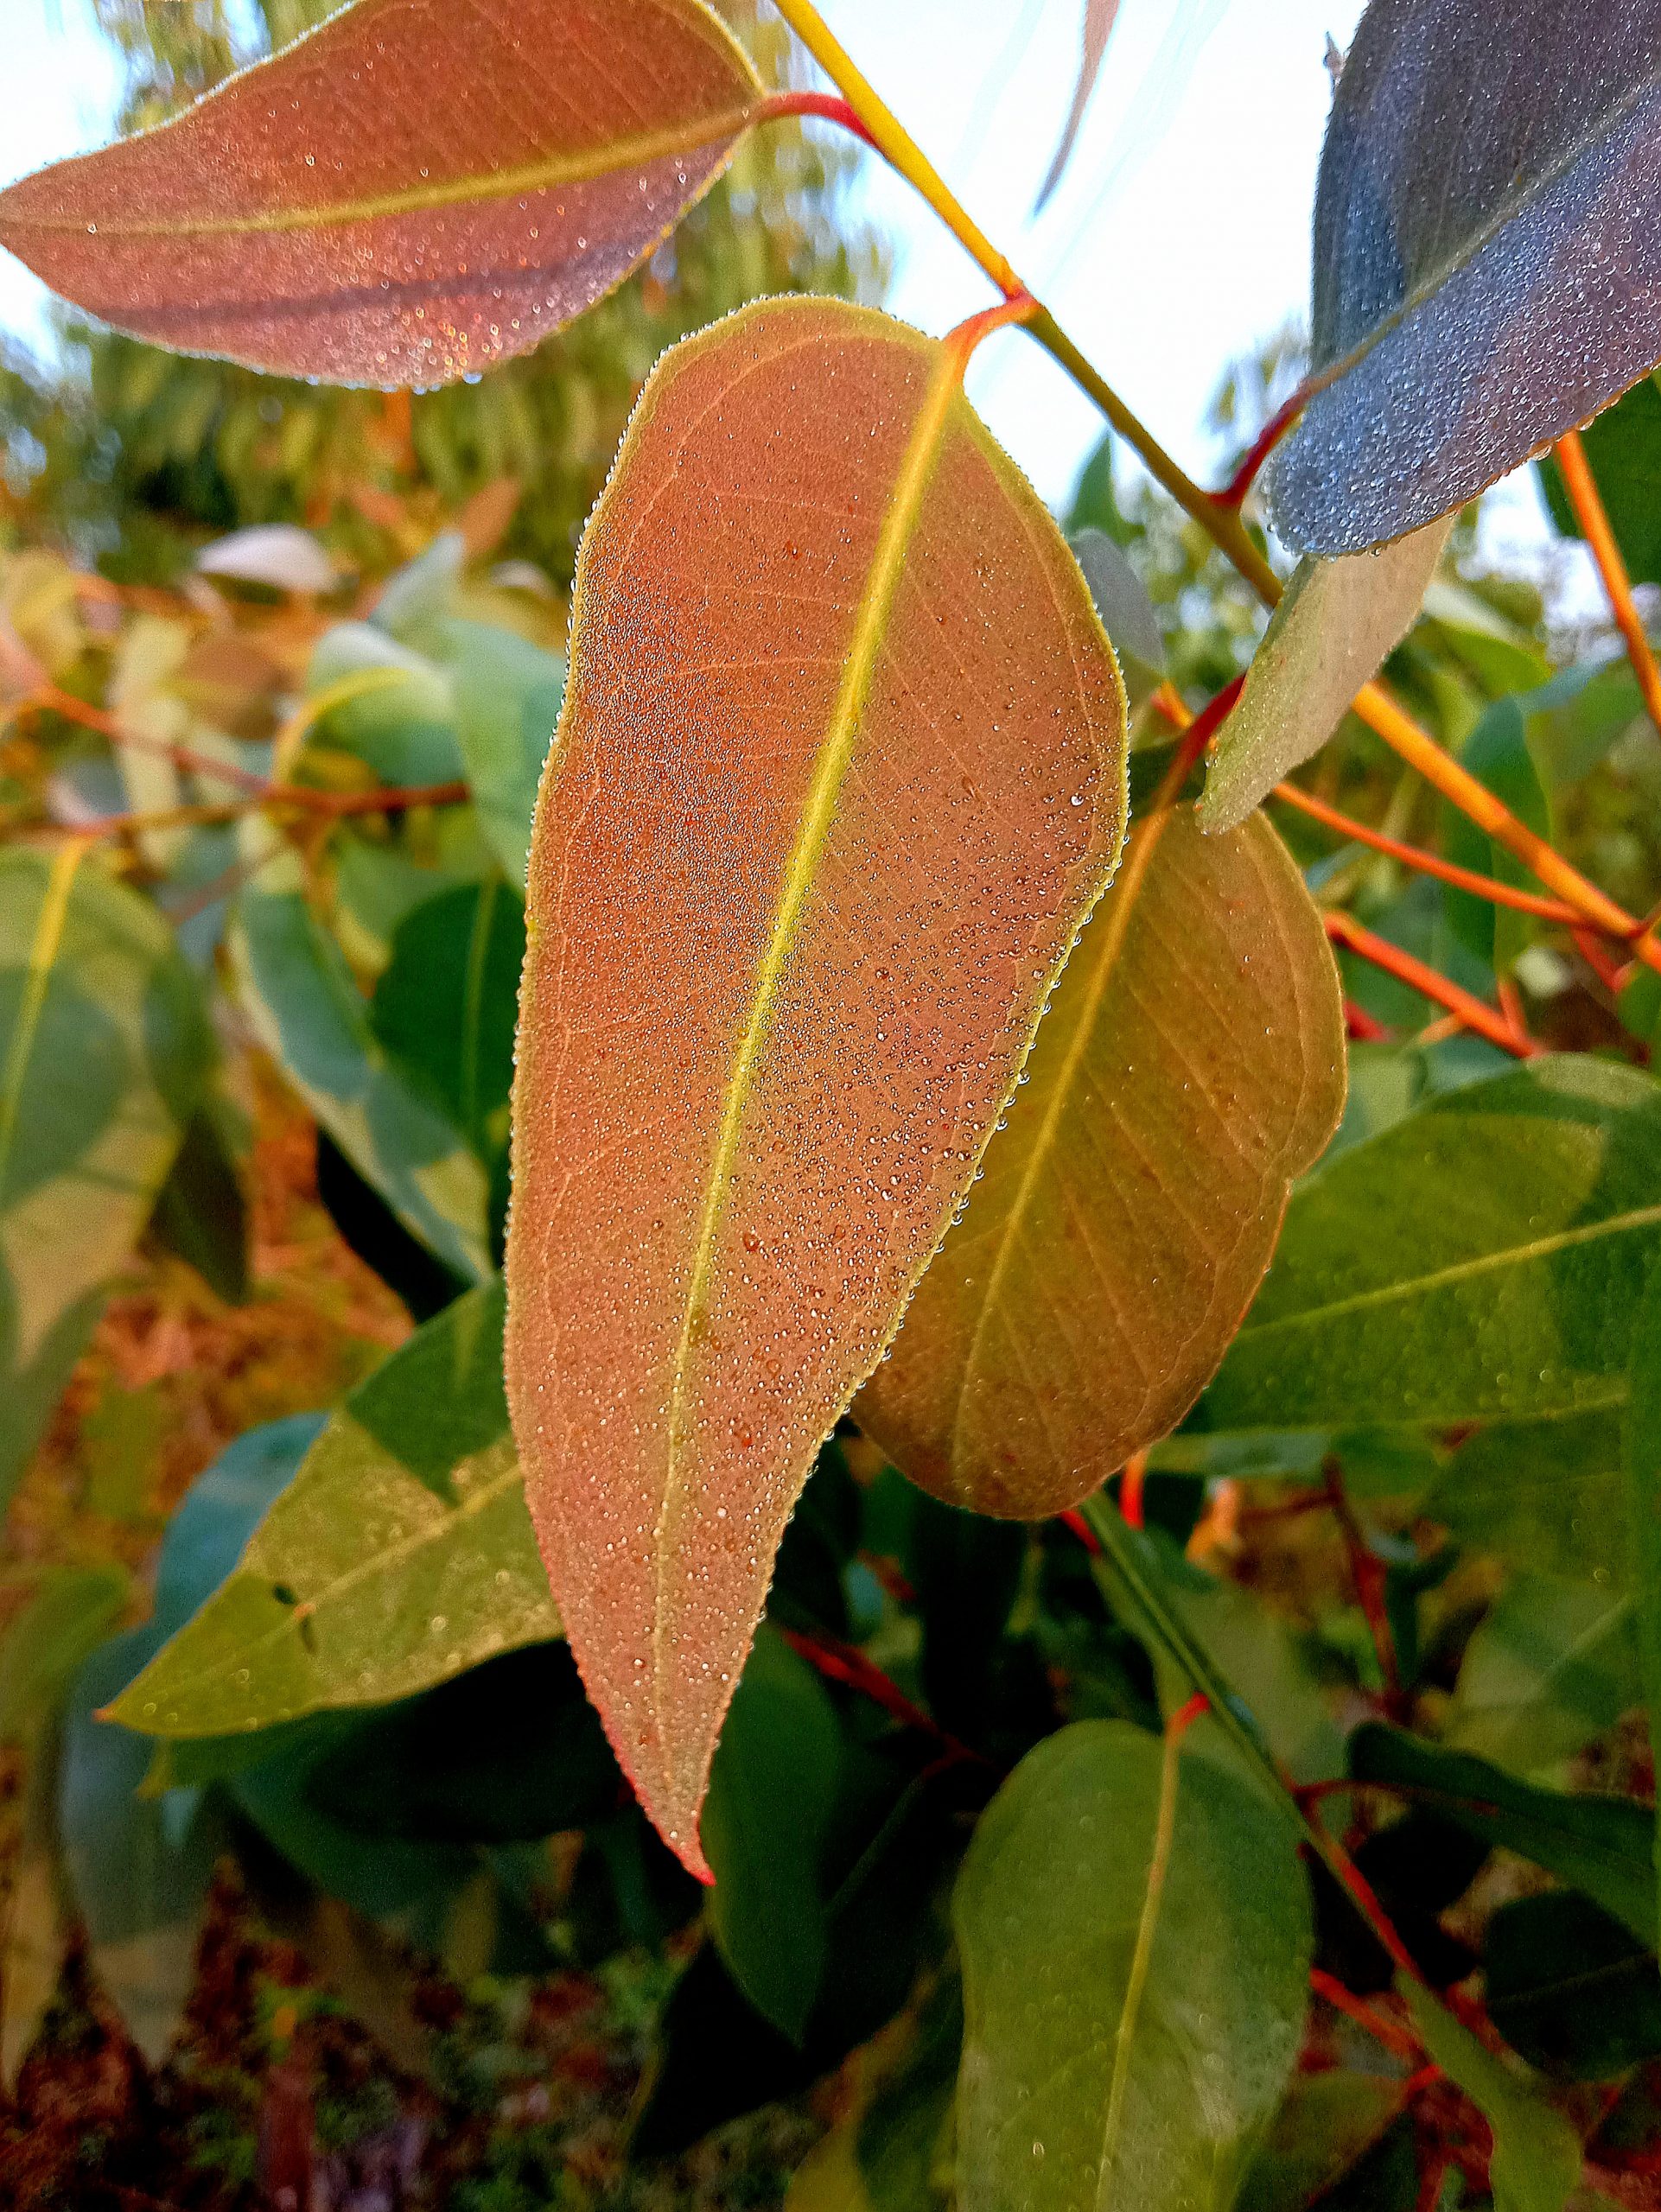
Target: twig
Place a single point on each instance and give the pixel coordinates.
(1485, 1020)
(1593, 517)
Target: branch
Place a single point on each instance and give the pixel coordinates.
(1592, 518)
(1473, 1013)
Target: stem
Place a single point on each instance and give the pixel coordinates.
(825, 106)
(1233, 493)
(386, 799)
(1593, 517)
(1345, 930)
(847, 1664)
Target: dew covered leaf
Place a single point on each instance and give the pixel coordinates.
(1135, 1936)
(1548, 1494)
(407, 195)
(1191, 1065)
(840, 773)
(1487, 256)
(105, 1052)
(1328, 636)
(1482, 1259)
(399, 1555)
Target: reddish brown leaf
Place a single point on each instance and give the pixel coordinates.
(408, 194)
(1192, 1064)
(841, 770)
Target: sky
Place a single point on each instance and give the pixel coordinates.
(1179, 239)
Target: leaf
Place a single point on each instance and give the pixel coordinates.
(447, 1003)
(805, 967)
(772, 1789)
(398, 1555)
(1128, 614)
(1329, 636)
(310, 1014)
(1328, 2123)
(1098, 28)
(1571, 1990)
(1641, 1459)
(69, 1610)
(277, 554)
(1497, 754)
(1536, 2166)
(105, 1051)
(201, 1212)
(1602, 1844)
(1485, 256)
(1135, 1937)
(1482, 1259)
(1623, 448)
(325, 214)
(507, 699)
(1546, 1494)
(1554, 1664)
(1192, 1064)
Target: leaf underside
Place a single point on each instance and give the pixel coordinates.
(840, 773)
(1191, 1066)
(329, 213)
(1487, 263)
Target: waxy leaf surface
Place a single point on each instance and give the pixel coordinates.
(1329, 636)
(1191, 1065)
(406, 196)
(1135, 1930)
(1488, 256)
(840, 773)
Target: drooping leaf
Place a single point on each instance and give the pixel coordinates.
(104, 1050)
(1098, 28)
(1536, 2154)
(840, 773)
(398, 1555)
(309, 1014)
(1485, 256)
(1623, 448)
(201, 1212)
(1602, 1845)
(1192, 1064)
(1554, 1664)
(1641, 1458)
(1571, 1990)
(1328, 636)
(406, 196)
(1128, 614)
(1135, 1936)
(772, 1789)
(1483, 1259)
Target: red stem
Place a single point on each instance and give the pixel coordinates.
(826, 106)
(1486, 1020)
(1233, 493)
(845, 1663)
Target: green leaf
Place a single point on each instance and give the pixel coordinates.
(1600, 1845)
(447, 1006)
(1483, 1259)
(771, 1792)
(1624, 449)
(1553, 1665)
(104, 1050)
(404, 731)
(1570, 1989)
(1128, 614)
(400, 1554)
(507, 700)
(1328, 2122)
(1135, 1937)
(1536, 2154)
(1485, 256)
(201, 1212)
(1328, 636)
(1642, 1461)
(1541, 1494)
(69, 1610)
(308, 1013)
(1497, 754)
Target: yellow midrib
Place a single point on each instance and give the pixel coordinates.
(581, 167)
(1142, 1960)
(801, 871)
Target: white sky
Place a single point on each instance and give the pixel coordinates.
(1178, 239)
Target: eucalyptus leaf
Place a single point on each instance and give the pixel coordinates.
(1553, 1665)
(1536, 2166)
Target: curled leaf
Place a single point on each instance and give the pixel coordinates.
(1192, 1064)
(407, 195)
(840, 772)
(1487, 259)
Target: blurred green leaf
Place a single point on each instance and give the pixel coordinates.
(447, 1006)
(1135, 1937)
(1327, 2124)
(201, 1212)
(105, 1051)
(1546, 1494)
(1642, 1462)
(1127, 612)
(69, 1612)
(1572, 1990)
(1536, 2154)
(1483, 1258)
(771, 1792)
(308, 1013)
(507, 700)
(1624, 449)
(1554, 1664)
(400, 1554)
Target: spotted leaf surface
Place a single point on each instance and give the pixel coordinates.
(412, 191)
(840, 773)
(1488, 256)
(1192, 1064)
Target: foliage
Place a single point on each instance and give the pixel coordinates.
(1066, 1419)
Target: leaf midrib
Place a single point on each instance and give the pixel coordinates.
(1142, 1958)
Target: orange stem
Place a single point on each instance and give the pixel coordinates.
(1593, 517)
(1413, 856)
(1486, 1020)
(1132, 1484)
